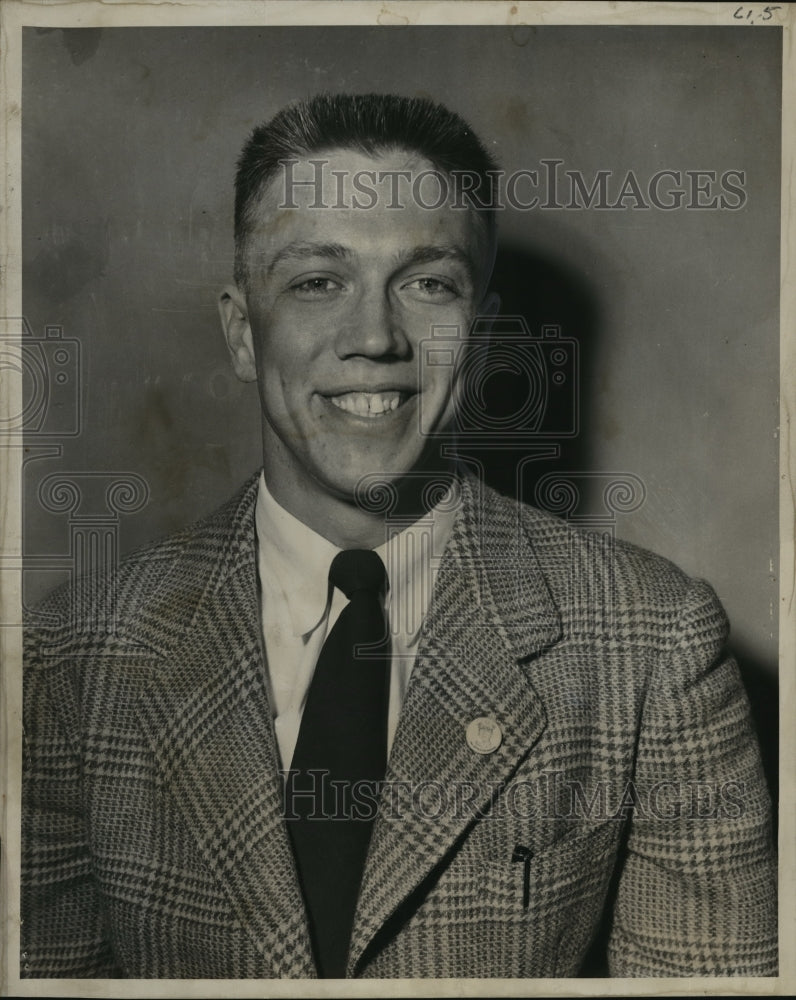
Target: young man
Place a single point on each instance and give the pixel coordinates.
(469, 745)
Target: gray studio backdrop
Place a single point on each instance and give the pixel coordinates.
(130, 140)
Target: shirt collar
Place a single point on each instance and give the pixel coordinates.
(294, 562)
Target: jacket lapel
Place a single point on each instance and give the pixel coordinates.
(490, 609)
(209, 723)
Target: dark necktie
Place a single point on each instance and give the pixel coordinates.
(340, 758)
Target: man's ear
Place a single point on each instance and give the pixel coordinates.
(238, 332)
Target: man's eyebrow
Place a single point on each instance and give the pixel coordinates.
(436, 252)
(303, 251)
(427, 254)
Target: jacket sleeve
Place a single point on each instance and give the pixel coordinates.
(697, 894)
(63, 929)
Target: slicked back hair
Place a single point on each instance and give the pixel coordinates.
(370, 124)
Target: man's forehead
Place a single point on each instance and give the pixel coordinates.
(340, 179)
(358, 193)
(340, 169)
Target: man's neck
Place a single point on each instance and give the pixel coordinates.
(364, 522)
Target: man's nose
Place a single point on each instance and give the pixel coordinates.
(372, 329)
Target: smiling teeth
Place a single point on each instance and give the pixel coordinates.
(367, 404)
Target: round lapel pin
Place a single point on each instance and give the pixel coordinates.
(484, 735)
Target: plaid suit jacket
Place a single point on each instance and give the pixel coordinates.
(626, 793)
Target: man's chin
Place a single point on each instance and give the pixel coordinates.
(393, 491)
(374, 492)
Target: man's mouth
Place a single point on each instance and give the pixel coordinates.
(369, 404)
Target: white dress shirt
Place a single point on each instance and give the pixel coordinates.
(298, 609)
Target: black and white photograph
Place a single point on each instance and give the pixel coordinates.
(397, 569)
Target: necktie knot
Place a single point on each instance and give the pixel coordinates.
(355, 570)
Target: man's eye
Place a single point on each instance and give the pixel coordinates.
(315, 287)
(432, 288)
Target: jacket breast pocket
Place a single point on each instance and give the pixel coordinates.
(558, 894)
(567, 866)
(517, 913)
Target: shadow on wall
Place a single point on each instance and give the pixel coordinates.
(558, 307)
(550, 294)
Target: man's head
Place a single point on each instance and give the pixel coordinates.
(352, 251)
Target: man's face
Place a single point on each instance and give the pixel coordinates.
(338, 302)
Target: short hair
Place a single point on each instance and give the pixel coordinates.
(369, 123)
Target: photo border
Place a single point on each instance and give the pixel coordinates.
(14, 14)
